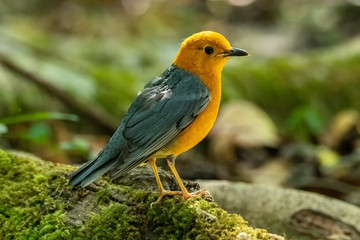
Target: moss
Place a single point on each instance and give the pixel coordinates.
(115, 221)
(36, 201)
(198, 219)
(28, 206)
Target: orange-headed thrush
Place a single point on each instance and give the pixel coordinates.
(172, 114)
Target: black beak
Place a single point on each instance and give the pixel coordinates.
(235, 52)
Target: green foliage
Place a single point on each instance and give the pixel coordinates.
(116, 88)
(107, 66)
(31, 117)
(305, 121)
(105, 58)
(300, 93)
(3, 129)
(38, 131)
(76, 146)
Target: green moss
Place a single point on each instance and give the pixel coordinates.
(197, 219)
(35, 200)
(115, 221)
(28, 208)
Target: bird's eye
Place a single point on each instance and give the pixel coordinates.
(209, 50)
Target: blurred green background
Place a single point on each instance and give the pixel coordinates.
(290, 113)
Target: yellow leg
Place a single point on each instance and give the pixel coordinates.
(185, 193)
(162, 191)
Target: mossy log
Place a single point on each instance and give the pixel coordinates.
(36, 202)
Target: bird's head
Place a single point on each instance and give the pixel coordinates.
(205, 53)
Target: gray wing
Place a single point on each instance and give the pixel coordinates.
(165, 108)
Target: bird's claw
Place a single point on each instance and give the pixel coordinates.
(164, 193)
(185, 196)
(200, 193)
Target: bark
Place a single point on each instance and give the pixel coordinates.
(298, 214)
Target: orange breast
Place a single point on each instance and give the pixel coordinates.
(198, 130)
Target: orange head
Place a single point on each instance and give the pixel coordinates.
(205, 54)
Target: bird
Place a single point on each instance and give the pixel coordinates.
(171, 115)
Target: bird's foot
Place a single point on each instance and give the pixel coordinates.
(199, 193)
(164, 193)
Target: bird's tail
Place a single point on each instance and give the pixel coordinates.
(91, 171)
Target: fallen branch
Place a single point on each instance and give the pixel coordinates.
(97, 116)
